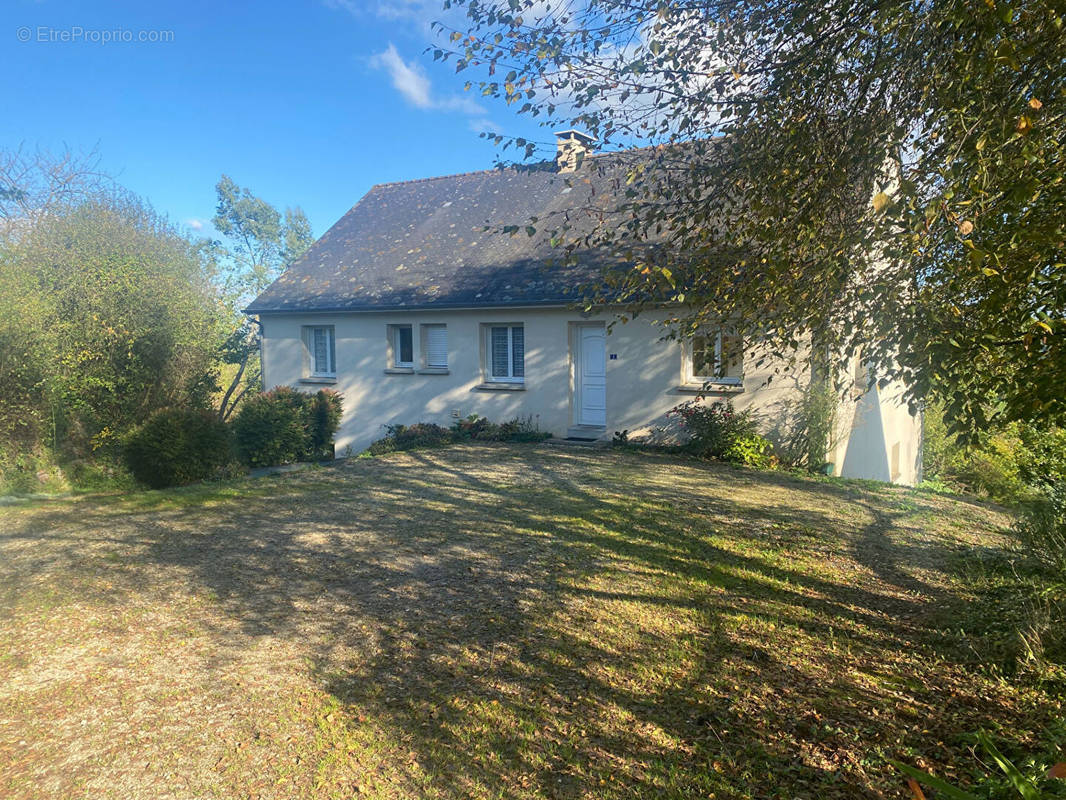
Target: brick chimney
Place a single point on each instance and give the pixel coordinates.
(571, 147)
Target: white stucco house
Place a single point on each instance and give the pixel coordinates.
(414, 313)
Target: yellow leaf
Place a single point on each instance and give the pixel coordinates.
(1024, 124)
(880, 201)
(1035, 104)
(966, 227)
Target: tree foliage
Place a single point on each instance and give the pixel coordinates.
(259, 243)
(879, 175)
(112, 317)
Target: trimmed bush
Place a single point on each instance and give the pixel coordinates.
(718, 431)
(285, 425)
(178, 446)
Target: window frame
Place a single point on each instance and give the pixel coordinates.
(396, 346)
(331, 351)
(691, 378)
(488, 362)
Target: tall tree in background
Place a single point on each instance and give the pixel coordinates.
(892, 173)
(260, 243)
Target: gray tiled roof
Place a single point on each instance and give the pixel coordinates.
(422, 244)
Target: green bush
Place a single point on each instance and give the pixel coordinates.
(285, 425)
(325, 414)
(992, 468)
(178, 446)
(752, 449)
(718, 431)
(1041, 528)
(473, 428)
(1011, 465)
(479, 428)
(812, 433)
(411, 437)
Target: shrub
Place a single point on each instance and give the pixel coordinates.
(286, 425)
(992, 468)
(411, 437)
(718, 431)
(752, 449)
(325, 411)
(178, 446)
(1041, 528)
(813, 431)
(473, 428)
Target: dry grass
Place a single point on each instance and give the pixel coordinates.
(498, 621)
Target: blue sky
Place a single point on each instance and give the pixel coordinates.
(306, 102)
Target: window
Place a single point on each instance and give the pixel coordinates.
(435, 346)
(321, 351)
(506, 352)
(714, 358)
(402, 343)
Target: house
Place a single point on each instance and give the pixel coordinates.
(416, 312)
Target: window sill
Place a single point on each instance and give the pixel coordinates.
(434, 371)
(711, 388)
(491, 386)
(319, 379)
(400, 371)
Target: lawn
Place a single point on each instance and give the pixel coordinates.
(505, 621)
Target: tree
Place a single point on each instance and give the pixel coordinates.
(883, 176)
(33, 184)
(260, 243)
(110, 315)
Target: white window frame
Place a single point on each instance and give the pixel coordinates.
(396, 348)
(331, 351)
(510, 377)
(688, 362)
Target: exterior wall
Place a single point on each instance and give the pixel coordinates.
(644, 376)
(882, 439)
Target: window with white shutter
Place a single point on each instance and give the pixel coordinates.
(435, 346)
(506, 352)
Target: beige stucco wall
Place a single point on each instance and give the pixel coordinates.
(881, 439)
(643, 379)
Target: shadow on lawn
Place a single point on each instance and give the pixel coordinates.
(533, 627)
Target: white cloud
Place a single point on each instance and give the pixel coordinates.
(411, 81)
(484, 124)
(408, 79)
(195, 224)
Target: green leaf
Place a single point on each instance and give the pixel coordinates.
(1020, 782)
(936, 783)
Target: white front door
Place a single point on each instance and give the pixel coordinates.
(590, 375)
